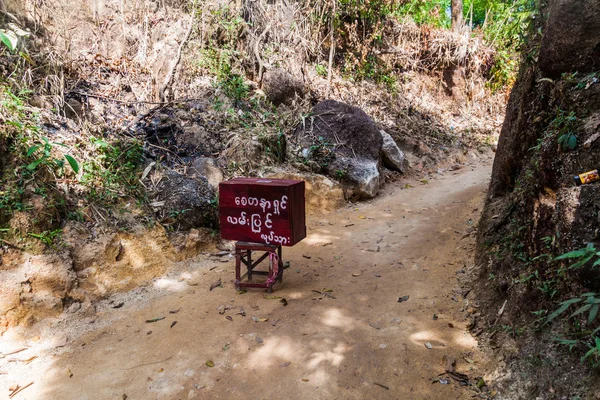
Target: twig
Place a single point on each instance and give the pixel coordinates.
(592, 139)
(13, 394)
(261, 65)
(14, 352)
(381, 385)
(171, 73)
(331, 52)
(150, 363)
(500, 312)
(99, 96)
(9, 244)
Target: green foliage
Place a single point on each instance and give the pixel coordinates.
(567, 342)
(365, 10)
(423, 12)
(47, 237)
(587, 305)
(41, 153)
(234, 87)
(567, 141)
(11, 200)
(583, 256)
(221, 58)
(219, 63)
(6, 41)
(360, 25)
(321, 70)
(564, 125)
(274, 146)
(340, 174)
(371, 68)
(321, 151)
(590, 305)
(593, 354)
(503, 24)
(114, 172)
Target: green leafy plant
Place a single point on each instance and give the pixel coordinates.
(6, 41)
(47, 237)
(564, 124)
(321, 70)
(178, 214)
(593, 354)
(567, 140)
(591, 304)
(431, 13)
(114, 172)
(567, 342)
(583, 256)
(586, 305)
(340, 174)
(44, 156)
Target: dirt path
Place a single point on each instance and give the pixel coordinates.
(354, 341)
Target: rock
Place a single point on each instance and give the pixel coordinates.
(321, 193)
(393, 157)
(344, 141)
(569, 46)
(365, 175)
(207, 167)
(41, 101)
(193, 280)
(189, 202)
(73, 109)
(195, 139)
(281, 87)
(73, 308)
(245, 151)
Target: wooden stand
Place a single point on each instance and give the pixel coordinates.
(243, 254)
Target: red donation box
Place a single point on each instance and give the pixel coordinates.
(267, 211)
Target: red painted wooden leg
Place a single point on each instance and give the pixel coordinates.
(249, 258)
(238, 256)
(280, 265)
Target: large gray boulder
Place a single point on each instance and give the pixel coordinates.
(393, 157)
(343, 142)
(186, 202)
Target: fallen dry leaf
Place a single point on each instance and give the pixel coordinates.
(215, 284)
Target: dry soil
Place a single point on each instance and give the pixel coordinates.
(342, 335)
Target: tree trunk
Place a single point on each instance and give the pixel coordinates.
(457, 14)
